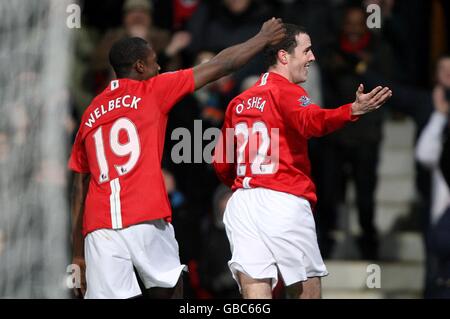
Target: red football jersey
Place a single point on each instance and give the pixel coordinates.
(120, 143)
(265, 133)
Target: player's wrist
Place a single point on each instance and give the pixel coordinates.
(356, 109)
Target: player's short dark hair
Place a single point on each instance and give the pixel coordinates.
(288, 43)
(125, 52)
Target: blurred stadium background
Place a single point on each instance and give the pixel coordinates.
(51, 69)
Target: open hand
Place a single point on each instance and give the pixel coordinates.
(368, 102)
(273, 30)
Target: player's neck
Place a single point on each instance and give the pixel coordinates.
(135, 76)
(281, 71)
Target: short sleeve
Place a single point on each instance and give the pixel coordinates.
(170, 87)
(78, 159)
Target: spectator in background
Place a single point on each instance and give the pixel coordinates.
(215, 275)
(138, 22)
(429, 149)
(218, 24)
(183, 225)
(445, 159)
(306, 13)
(175, 14)
(213, 98)
(418, 104)
(428, 152)
(353, 151)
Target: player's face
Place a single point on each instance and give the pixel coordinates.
(300, 59)
(151, 66)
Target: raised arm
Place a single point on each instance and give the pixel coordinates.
(234, 57)
(79, 191)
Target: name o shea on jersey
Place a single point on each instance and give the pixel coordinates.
(255, 102)
(125, 101)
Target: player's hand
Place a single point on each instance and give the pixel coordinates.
(368, 102)
(81, 290)
(273, 31)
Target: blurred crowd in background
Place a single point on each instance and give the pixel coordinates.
(408, 53)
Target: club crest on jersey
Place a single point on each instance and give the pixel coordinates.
(304, 100)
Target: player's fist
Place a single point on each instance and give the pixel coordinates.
(368, 102)
(273, 30)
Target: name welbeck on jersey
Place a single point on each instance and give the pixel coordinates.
(127, 101)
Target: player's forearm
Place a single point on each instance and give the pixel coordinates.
(233, 58)
(314, 121)
(229, 60)
(79, 191)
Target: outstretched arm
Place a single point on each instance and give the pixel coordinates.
(234, 57)
(368, 102)
(79, 191)
(314, 121)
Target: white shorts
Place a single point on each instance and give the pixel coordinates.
(271, 231)
(111, 254)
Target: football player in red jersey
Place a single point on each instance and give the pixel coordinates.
(120, 209)
(269, 218)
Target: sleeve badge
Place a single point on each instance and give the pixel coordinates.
(304, 100)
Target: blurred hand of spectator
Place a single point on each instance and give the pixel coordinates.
(179, 41)
(439, 100)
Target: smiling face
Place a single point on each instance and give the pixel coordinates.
(299, 60)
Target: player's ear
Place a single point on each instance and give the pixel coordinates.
(282, 56)
(139, 65)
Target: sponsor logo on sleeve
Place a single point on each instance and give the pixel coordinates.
(304, 100)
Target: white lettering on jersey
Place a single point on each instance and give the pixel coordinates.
(264, 79)
(126, 101)
(239, 108)
(256, 102)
